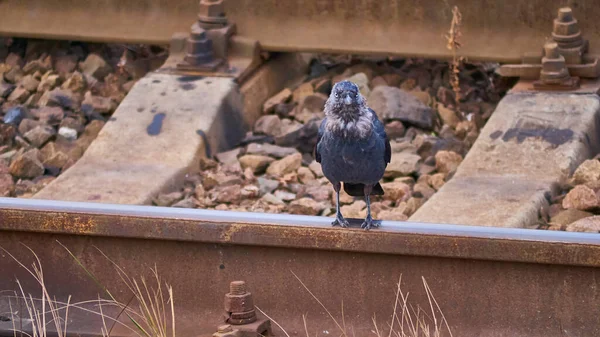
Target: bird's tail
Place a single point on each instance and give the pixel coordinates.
(358, 190)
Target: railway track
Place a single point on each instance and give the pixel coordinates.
(489, 274)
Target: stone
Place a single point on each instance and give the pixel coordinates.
(305, 175)
(378, 81)
(7, 134)
(167, 199)
(395, 129)
(228, 158)
(323, 86)
(588, 225)
(402, 164)
(393, 80)
(302, 91)
(362, 81)
(569, 216)
(48, 82)
(316, 168)
(266, 185)
(582, 198)
(587, 172)
(448, 115)
(304, 138)
(27, 165)
(14, 75)
(422, 96)
(185, 203)
(29, 83)
(413, 204)
(391, 103)
(281, 97)
(89, 134)
(311, 107)
(73, 123)
(356, 210)
(424, 190)
(76, 82)
(271, 150)
(67, 133)
(59, 97)
(317, 192)
(392, 215)
(7, 185)
(39, 135)
(285, 196)
(230, 194)
(103, 105)
(447, 161)
(250, 191)
(271, 199)
(14, 60)
(269, 125)
(257, 163)
(65, 64)
(437, 181)
(396, 191)
(305, 206)
(41, 65)
(49, 114)
(18, 95)
(15, 115)
(96, 66)
(28, 124)
(5, 88)
(55, 156)
(286, 165)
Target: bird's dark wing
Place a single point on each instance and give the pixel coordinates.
(316, 153)
(380, 129)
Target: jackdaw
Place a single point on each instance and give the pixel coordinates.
(352, 148)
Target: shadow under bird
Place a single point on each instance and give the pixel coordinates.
(352, 148)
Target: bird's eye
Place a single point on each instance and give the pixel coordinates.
(337, 95)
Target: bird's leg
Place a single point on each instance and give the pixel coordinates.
(368, 223)
(339, 219)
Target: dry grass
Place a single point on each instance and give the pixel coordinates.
(406, 321)
(454, 44)
(149, 318)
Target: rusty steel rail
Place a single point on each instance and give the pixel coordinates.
(488, 281)
(492, 29)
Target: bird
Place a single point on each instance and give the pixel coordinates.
(352, 148)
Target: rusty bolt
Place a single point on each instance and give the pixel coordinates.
(212, 8)
(239, 304)
(554, 74)
(212, 14)
(237, 287)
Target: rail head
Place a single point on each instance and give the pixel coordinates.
(299, 232)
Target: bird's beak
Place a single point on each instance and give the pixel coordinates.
(348, 100)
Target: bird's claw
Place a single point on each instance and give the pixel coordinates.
(340, 221)
(368, 223)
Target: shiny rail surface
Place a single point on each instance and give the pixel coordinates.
(492, 29)
(487, 280)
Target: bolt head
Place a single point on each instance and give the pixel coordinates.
(211, 8)
(565, 14)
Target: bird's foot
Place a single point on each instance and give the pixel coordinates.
(368, 223)
(340, 221)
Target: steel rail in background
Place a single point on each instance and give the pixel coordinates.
(492, 29)
(489, 281)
